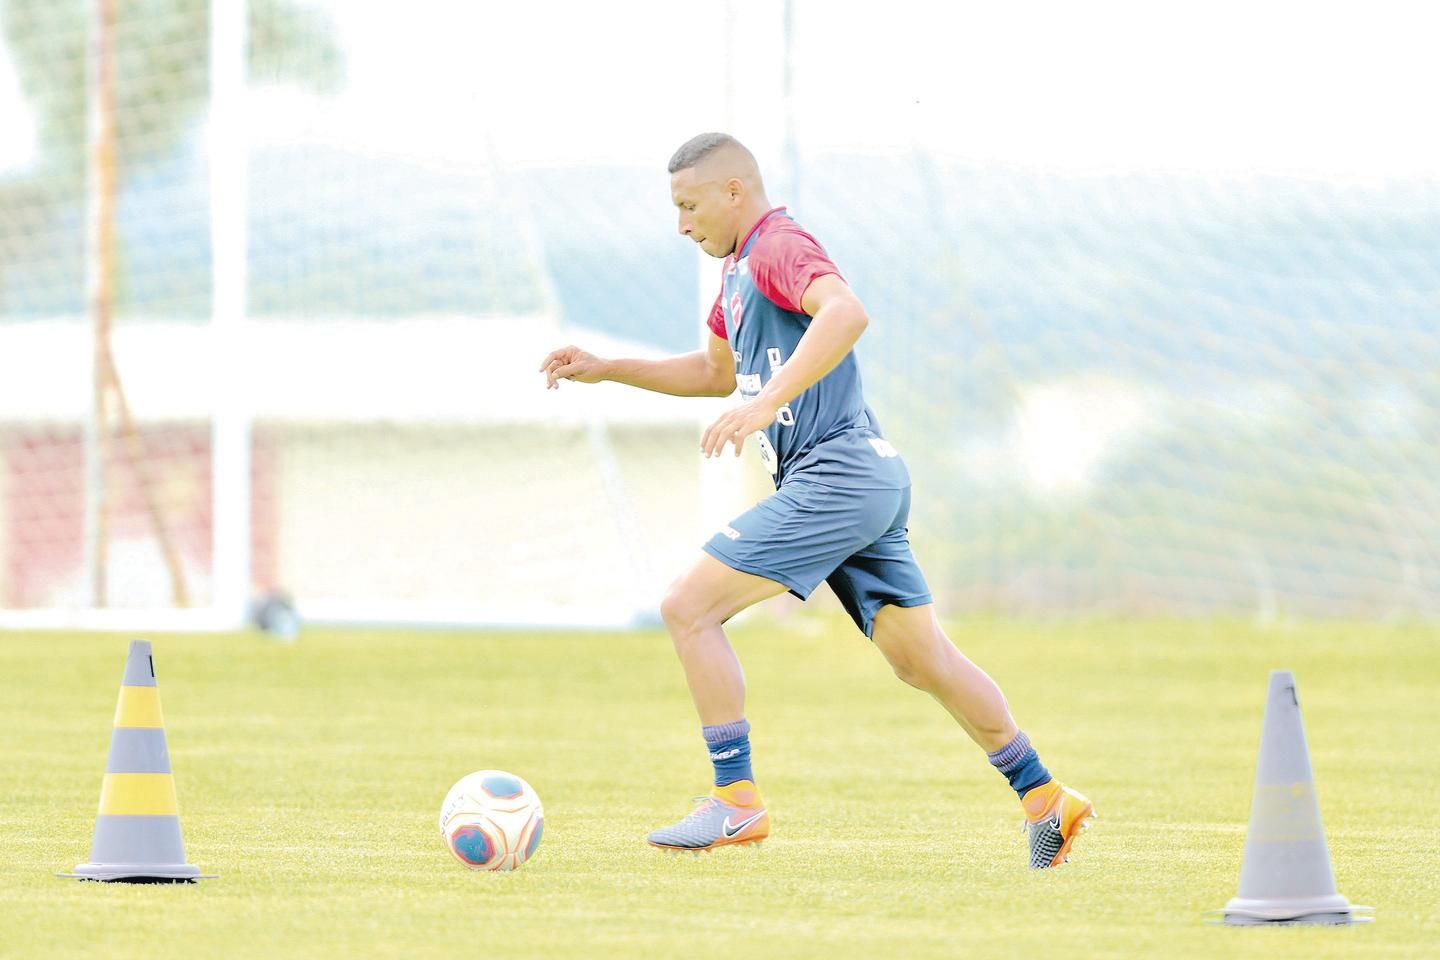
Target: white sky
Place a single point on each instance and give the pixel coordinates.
(17, 143)
(1311, 89)
(1315, 89)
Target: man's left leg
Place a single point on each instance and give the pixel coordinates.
(790, 540)
(695, 609)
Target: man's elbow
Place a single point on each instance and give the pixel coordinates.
(850, 307)
(859, 320)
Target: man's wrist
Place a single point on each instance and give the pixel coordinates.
(766, 399)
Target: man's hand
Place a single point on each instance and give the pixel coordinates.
(735, 425)
(571, 363)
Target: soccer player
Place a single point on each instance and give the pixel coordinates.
(783, 331)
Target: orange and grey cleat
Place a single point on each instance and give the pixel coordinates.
(1054, 817)
(731, 814)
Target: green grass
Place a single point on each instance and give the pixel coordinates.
(310, 777)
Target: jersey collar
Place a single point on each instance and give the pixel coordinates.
(740, 250)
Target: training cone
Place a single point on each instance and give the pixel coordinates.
(1286, 876)
(137, 831)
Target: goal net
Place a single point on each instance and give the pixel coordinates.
(177, 278)
(274, 286)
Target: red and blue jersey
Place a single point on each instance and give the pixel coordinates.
(827, 433)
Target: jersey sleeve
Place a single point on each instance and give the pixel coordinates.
(784, 263)
(716, 320)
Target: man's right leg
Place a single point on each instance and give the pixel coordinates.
(695, 609)
(884, 591)
(924, 657)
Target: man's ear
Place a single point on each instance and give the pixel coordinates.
(735, 186)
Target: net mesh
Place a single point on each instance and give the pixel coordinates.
(1119, 394)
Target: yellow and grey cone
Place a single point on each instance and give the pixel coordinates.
(137, 829)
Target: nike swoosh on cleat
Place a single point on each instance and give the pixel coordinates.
(730, 830)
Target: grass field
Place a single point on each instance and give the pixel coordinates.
(310, 776)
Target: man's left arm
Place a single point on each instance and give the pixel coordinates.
(837, 320)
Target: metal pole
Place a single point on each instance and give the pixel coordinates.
(99, 263)
(230, 433)
(789, 151)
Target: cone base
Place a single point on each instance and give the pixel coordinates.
(130, 879)
(136, 872)
(1333, 910)
(1314, 919)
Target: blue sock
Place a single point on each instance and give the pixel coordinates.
(1020, 764)
(729, 745)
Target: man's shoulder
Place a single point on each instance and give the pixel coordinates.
(784, 259)
(780, 234)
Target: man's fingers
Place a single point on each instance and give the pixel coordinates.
(718, 434)
(705, 440)
(716, 437)
(557, 357)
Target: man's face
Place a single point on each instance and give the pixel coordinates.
(708, 211)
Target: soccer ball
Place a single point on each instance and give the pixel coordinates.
(491, 820)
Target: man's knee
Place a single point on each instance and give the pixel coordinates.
(710, 593)
(914, 647)
(683, 609)
(916, 670)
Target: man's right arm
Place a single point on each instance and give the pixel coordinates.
(704, 373)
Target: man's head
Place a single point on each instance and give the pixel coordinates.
(716, 186)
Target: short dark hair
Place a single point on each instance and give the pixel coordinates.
(699, 147)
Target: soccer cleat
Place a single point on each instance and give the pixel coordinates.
(1054, 817)
(731, 814)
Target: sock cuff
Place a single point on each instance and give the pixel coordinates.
(721, 732)
(1013, 754)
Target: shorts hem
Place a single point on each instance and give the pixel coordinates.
(794, 586)
(918, 600)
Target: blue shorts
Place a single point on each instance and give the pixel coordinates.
(854, 540)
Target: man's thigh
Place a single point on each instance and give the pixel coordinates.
(801, 533)
(710, 591)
